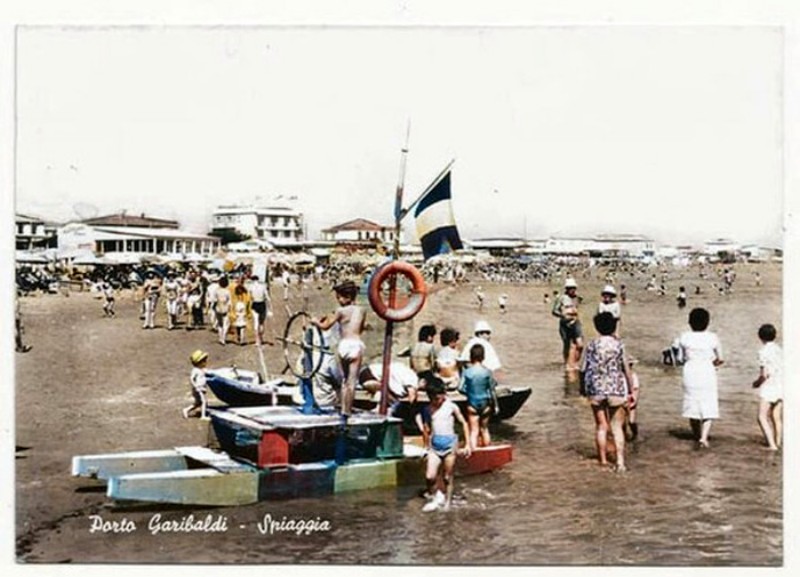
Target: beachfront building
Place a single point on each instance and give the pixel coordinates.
(605, 245)
(32, 232)
(498, 246)
(278, 225)
(625, 245)
(720, 246)
(359, 231)
(111, 240)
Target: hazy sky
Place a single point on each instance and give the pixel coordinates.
(674, 132)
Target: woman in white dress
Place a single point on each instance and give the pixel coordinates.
(702, 354)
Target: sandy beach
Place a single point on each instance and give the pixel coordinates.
(93, 384)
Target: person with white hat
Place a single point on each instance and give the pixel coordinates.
(481, 335)
(565, 308)
(609, 304)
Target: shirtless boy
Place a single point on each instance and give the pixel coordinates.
(350, 351)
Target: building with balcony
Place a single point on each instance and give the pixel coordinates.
(32, 232)
(277, 225)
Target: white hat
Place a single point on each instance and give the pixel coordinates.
(482, 327)
(570, 283)
(609, 290)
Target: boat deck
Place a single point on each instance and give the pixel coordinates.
(286, 417)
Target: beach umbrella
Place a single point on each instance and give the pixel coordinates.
(74, 253)
(86, 259)
(28, 257)
(127, 257)
(107, 260)
(303, 258)
(196, 257)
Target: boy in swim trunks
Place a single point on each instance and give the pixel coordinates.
(478, 384)
(437, 420)
(350, 350)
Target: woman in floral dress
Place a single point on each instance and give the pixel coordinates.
(606, 376)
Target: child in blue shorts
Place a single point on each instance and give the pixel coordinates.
(437, 421)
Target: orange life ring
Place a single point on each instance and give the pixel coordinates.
(414, 302)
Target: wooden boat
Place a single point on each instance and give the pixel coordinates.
(243, 388)
(270, 453)
(509, 402)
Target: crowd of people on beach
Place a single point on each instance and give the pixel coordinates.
(195, 298)
(606, 378)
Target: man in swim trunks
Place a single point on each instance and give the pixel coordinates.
(350, 351)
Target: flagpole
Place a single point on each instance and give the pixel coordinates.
(435, 181)
(398, 197)
(398, 216)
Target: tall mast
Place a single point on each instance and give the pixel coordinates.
(387, 335)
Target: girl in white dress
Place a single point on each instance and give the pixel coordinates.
(703, 354)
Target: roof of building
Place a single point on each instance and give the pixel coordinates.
(131, 220)
(126, 232)
(260, 210)
(26, 218)
(357, 224)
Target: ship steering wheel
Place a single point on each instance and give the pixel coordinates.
(304, 346)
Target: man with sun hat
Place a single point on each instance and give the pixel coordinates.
(565, 308)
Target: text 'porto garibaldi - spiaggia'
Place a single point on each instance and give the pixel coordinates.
(209, 524)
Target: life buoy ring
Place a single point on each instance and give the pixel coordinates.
(414, 302)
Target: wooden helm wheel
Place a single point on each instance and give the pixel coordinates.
(303, 346)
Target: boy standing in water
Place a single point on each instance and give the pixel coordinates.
(770, 387)
(350, 350)
(633, 400)
(478, 384)
(437, 420)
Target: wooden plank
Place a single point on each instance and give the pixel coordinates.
(114, 464)
(215, 459)
(193, 487)
(365, 475)
(290, 418)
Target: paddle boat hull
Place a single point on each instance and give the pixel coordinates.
(266, 456)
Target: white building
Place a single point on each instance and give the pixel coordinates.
(260, 223)
(359, 230)
(629, 245)
(499, 246)
(78, 236)
(719, 245)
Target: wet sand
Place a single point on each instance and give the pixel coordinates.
(95, 385)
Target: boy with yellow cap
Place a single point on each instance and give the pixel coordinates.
(199, 360)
